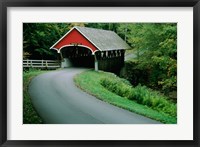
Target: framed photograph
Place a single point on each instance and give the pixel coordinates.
(86, 73)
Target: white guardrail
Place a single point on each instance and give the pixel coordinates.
(49, 64)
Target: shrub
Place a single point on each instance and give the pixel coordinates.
(153, 77)
(140, 94)
(120, 87)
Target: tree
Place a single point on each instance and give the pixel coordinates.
(156, 45)
(38, 38)
(76, 24)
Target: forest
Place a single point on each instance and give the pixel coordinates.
(153, 44)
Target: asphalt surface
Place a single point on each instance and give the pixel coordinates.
(59, 101)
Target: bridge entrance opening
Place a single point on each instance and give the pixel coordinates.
(77, 56)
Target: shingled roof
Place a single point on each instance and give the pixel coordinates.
(103, 39)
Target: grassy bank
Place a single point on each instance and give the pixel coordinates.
(91, 82)
(30, 116)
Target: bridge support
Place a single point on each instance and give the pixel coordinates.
(66, 63)
(95, 63)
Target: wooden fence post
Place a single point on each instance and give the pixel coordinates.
(31, 63)
(46, 64)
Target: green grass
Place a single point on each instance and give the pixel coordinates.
(140, 94)
(30, 115)
(90, 81)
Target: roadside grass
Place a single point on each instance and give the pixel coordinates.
(91, 82)
(140, 94)
(30, 115)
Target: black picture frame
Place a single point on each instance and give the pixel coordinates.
(4, 4)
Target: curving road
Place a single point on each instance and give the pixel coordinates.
(59, 101)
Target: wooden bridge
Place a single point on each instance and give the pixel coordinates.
(94, 48)
(42, 64)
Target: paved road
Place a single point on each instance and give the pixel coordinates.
(59, 101)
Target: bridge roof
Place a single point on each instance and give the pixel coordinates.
(103, 40)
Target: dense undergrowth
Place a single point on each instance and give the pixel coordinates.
(140, 94)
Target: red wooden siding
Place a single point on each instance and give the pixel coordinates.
(74, 37)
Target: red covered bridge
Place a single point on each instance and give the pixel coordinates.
(89, 47)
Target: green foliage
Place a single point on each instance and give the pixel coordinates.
(135, 75)
(39, 37)
(140, 94)
(91, 82)
(30, 115)
(156, 49)
(104, 26)
(118, 86)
